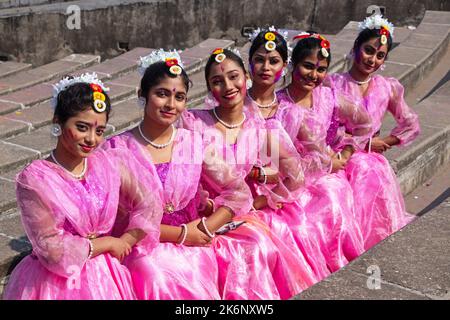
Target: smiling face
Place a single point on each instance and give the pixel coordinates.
(227, 83)
(370, 56)
(82, 133)
(310, 73)
(266, 66)
(166, 101)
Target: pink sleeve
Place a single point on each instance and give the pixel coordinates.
(312, 147)
(407, 128)
(139, 199)
(287, 163)
(224, 179)
(59, 251)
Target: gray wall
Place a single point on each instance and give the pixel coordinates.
(39, 34)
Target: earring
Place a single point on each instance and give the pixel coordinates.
(382, 67)
(249, 83)
(284, 72)
(141, 102)
(56, 130)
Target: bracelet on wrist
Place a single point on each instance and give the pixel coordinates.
(184, 234)
(211, 235)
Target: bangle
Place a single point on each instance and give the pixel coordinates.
(339, 156)
(213, 204)
(262, 173)
(91, 249)
(211, 235)
(185, 230)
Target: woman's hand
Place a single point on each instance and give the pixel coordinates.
(208, 210)
(379, 145)
(273, 176)
(195, 236)
(259, 202)
(119, 248)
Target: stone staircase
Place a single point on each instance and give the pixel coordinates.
(25, 113)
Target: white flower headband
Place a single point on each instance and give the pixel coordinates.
(269, 36)
(252, 36)
(90, 78)
(171, 58)
(378, 22)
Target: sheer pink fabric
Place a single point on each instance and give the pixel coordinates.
(383, 94)
(242, 264)
(380, 207)
(59, 212)
(327, 200)
(267, 144)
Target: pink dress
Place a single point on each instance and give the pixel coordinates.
(242, 264)
(327, 199)
(251, 149)
(380, 207)
(59, 212)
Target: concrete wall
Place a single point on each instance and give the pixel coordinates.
(39, 34)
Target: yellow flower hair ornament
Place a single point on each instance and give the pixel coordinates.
(99, 98)
(220, 56)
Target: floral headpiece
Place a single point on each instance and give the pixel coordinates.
(378, 22)
(96, 85)
(324, 43)
(171, 58)
(220, 55)
(270, 36)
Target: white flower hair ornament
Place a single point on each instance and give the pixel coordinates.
(171, 58)
(220, 55)
(378, 22)
(252, 36)
(324, 43)
(269, 36)
(96, 85)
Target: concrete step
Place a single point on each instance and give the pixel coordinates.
(9, 68)
(416, 163)
(53, 70)
(117, 73)
(412, 264)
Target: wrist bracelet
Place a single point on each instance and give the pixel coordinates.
(91, 249)
(211, 235)
(213, 204)
(185, 231)
(262, 173)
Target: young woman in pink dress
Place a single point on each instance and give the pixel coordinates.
(380, 207)
(305, 108)
(192, 262)
(69, 202)
(263, 154)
